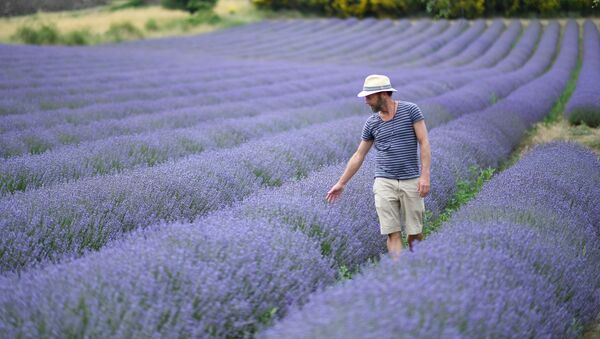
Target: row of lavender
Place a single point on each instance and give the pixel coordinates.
(101, 157)
(130, 89)
(448, 289)
(53, 129)
(482, 139)
(156, 95)
(185, 93)
(585, 102)
(72, 218)
(308, 40)
(270, 256)
(520, 260)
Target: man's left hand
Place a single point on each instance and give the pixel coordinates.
(423, 186)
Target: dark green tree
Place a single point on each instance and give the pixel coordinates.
(191, 6)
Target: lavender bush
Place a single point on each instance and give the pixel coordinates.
(71, 219)
(85, 215)
(24, 172)
(584, 105)
(356, 231)
(348, 230)
(38, 139)
(458, 44)
(506, 265)
(186, 281)
(150, 149)
(480, 46)
(233, 268)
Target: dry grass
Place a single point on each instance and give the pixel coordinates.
(561, 131)
(96, 20)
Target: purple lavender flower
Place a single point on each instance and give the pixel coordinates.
(191, 280)
(504, 265)
(280, 244)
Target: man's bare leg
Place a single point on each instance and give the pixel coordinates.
(412, 238)
(394, 245)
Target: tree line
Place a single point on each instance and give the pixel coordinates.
(437, 8)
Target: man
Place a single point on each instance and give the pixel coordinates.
(400, 186)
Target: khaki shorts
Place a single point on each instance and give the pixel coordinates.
(399, 204)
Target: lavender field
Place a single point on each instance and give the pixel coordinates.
(176, 187)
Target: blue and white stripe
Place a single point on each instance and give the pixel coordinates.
(396, 142)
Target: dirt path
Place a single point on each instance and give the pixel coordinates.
(593, 330)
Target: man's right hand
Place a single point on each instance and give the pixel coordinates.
(335, 192)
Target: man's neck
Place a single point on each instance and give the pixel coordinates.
(389, 110)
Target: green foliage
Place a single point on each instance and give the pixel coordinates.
(267, 179)
(344, 273)
(204, 17)
(448, 9)
(438, 8)
(346, 8)
(544, 7)
(11, 185)
(36, 145)
(585, 115)
(362, 8)
(191, 6)
(347, 273)
(466, 189)
(40, 33)
(37, 34)
(502, 7)
(151, 25)
(118, 32)
(79, 37)
(267, 317)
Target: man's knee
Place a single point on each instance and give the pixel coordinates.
(394, 236)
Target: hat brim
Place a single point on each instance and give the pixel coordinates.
(365, 93)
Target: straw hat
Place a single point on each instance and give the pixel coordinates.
(376, 83)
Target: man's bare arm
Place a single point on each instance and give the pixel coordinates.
(351, 168)
(424, 179)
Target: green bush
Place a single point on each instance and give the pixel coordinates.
(374, 8)
(151, 25)
(502, 7)
(37, 34)
(583, 7)
(317, 6)
(204, 17)
(191, 6)
(346, 8)
(588, 115)
(437, 8)
(544, 7)
(449, 9)
(123, 31)
(81, 37)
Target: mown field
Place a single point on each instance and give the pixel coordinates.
(175, 187)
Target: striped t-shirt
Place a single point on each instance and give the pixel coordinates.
(396, 142)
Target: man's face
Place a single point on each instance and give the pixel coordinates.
(375, 101)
